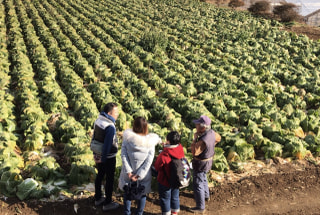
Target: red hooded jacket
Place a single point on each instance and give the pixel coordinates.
(163, 162)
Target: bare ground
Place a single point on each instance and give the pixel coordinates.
(312, 32)
(290, 188)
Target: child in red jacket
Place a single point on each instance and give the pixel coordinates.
(169, 197)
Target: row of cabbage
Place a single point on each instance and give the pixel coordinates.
(52, 62)
(9, 170)
(279, 114)
(30, 152)
(169, 61)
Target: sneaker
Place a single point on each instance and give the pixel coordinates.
(110, 206)
(197, 210)
(99, 202)
(174, 213)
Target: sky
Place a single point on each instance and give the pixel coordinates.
(307, 6)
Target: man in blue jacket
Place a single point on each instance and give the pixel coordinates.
(105, 134)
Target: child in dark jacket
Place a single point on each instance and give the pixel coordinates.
(169, 197)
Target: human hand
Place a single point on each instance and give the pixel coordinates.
(130, 175)
(134, 178)
(165, 143)
(97, 159)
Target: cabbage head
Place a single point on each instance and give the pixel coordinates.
(272, 149)
(8, 183)
(26, 188)
(220, 162)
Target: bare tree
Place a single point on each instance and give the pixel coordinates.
(236, 3)
(219, 2)
(260, 7)
(287, 12)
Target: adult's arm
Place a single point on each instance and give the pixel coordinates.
(218, 137)
(197, 147)
(146, 165)
(110, 131)
(125, 159)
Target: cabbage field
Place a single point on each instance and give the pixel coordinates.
(167, 60)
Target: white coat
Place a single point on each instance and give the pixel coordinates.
(137, 153)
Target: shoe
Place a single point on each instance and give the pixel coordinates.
(174, 213)
(99, 202)
(110, 206)
(196, 210)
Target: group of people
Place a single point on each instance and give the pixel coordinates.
(137, 154)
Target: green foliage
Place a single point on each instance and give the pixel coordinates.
(26, 187)
(272, 149)
(295, 148)
(152, 39)
(241, 151)
(220, 162)
(44, 169)
(10, 160)
(8, 183)
(169, 61)
(80, 174)
(39, 193)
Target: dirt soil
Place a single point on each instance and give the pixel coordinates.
(276, 187)
(312, 32)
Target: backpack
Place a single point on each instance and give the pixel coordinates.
(180, 173)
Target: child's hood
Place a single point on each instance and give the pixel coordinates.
(175, 151)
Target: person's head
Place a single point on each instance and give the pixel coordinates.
(112, 110)
(140, 125)
(173, 138)
(202, 124)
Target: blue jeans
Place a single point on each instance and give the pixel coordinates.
(200, 189)
(127, 205)
(169, 199)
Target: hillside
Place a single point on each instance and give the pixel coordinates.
(311, 32)
(169, 61)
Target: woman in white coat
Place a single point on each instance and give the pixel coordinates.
(137, 153)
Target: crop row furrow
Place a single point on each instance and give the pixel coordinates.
(80, 100)
(71, 133)
(122, 52)
(148, 98)
(240, 38)
(255, 110)
(52, 98)
(10, 158)
(33, 119)
(99, 90)
(218, 72)
(7, 107)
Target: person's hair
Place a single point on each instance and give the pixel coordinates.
(109, 107)
(140, 125)
(174, 138)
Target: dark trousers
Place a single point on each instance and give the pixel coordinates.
(108, 168)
